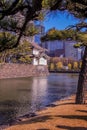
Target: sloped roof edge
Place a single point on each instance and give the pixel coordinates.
(35, 45)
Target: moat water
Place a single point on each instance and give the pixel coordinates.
(27, 95)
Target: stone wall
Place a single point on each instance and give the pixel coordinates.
(10, 70)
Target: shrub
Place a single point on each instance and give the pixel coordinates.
(52, 66)
(59, 65)
(75, 65)
(69, 66)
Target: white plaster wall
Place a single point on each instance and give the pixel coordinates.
(35, 61)
(35, 52)
(42, 61)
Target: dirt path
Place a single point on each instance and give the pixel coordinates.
(64, 115)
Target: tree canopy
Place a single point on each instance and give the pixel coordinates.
(54, 34)
(21, 54)
(33, 10)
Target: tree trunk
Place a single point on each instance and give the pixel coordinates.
(82, 82)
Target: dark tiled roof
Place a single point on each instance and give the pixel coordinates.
(42, 55)
(35, 45)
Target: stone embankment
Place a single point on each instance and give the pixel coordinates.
(10, 70)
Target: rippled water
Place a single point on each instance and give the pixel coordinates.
(25, 95)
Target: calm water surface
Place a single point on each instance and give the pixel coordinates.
(26, 95)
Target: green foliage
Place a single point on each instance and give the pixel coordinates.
(31, 30)
(21, 54)
(52, 66)
(78, 8)
(57, 63)
(48, 3)
(80, 64)
(9, 24)
(83, 38)
(7, 3)
(7, 40)
(25, 59)
(41, 16)
(78, 45)
(75, 66)
(34, 8)
(69, 66)
(54, 34)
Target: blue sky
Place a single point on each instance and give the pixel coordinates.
(59, 20)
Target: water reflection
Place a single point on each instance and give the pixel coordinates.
(61, 86)
(26, 95)
(39, 92)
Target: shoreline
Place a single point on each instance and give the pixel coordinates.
(73, 72)
(47, 116)
(31, 115)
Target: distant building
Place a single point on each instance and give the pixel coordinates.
(39, 56)
(61, 48)
(71, 52)
(55, 48)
